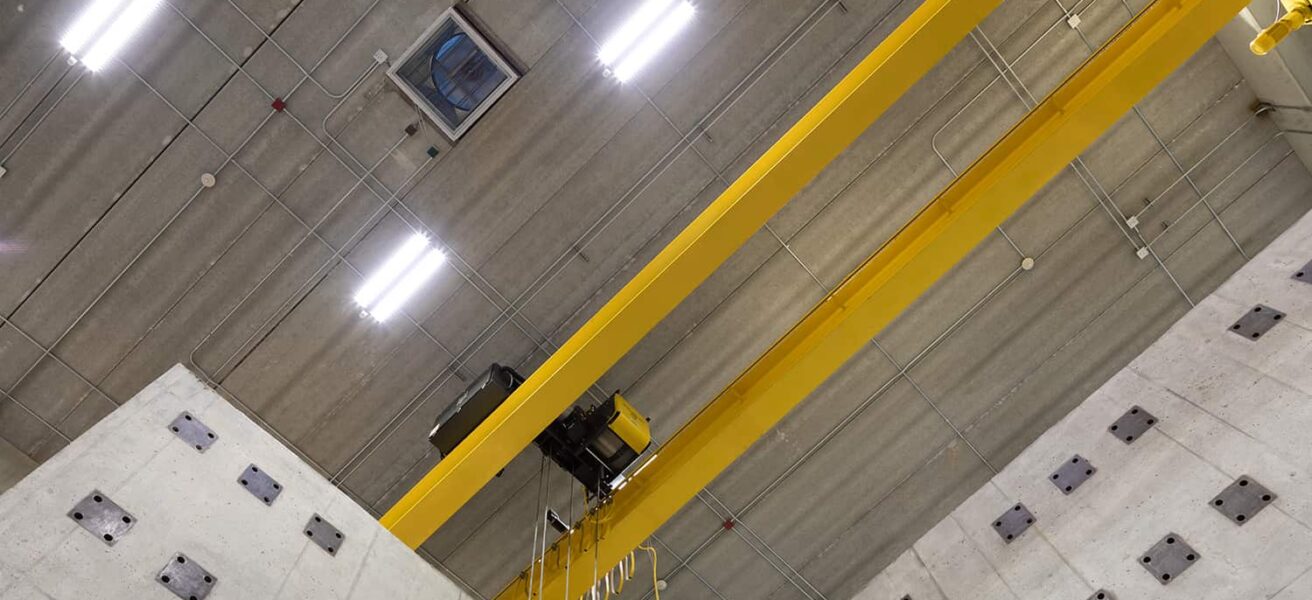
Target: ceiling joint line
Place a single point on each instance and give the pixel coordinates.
(104, 291)
(240, 68)
(1186, 173)
(719, 175)
(740, 525)
(921, 355)
(1086, 175)
(685, 141)
(35, 107)
(22, 91)
(1106, 310)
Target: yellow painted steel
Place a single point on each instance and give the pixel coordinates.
(1300, 14)
(1151, 47)
(832, 125)
(630, 426)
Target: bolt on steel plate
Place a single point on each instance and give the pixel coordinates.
(1102, 595)
(1011, 524)
(1168, 558)
(1072, 474)
(1133, 424)
(102, 517)
(191, 430)
(324, 534)
(186, 579)
(260, 485)
(1304, 274)
(1257, 322)
(1242, 500)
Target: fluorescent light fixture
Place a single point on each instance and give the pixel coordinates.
(404, 273)
(89, 23)
(644, 35)
(391, 270)
(414, 279)
(632, 29)
(104, 28)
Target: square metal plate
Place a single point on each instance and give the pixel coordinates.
(186, 579)
(1102, 595)
(1304, 274)
(1132, 425)
(260, 485)
(102, 517)
(1256, 322)
(324, 534)
(1168, 558)
(1242, 500)
(1072, 474)
(193, 431)
(1011, 524)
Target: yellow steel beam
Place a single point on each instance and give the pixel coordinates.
(832, 125)
(1151, 47)
(1299, 14)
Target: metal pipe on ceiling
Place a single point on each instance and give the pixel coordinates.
(784, 170)
(1145, 52)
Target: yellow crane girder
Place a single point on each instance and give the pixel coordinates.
(798, 157)
(1152, 46)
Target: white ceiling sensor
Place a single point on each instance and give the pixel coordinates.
(104, 28)
(644, 35)
(403, 275)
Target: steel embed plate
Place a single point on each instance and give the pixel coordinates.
(1011, 524)
(1168, 558)
(186, 579)
(1132, 425)
(1257, 322)
(324, 534)
(192, 431)
(102, 517)
(1242, 500)
(260, 485)
(1072, 474)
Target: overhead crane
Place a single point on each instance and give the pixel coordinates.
(1147, 50)
(902, 59)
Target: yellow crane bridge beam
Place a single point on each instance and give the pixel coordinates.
(1148, 49)
(782, 171)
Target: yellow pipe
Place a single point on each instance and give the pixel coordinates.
(830, 127)
(1299, 14)
(1151, 47)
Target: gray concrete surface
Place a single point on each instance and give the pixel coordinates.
(190, 502)
(1228, 408)
(14, 465)
(118, 264)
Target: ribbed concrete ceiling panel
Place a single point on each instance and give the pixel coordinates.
(117, 263)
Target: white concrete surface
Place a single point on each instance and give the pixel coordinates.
(1227, 407)
(190, 502)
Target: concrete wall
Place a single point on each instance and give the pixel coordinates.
(14, 465)
(1226, 407)
(190, 502)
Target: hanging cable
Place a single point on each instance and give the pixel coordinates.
(655, 583)
(533, 550)
(542, 573)
(569, 544)
(596, 541)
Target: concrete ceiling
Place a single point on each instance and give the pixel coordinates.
(118, 263)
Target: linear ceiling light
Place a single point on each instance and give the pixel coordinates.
(104, 28)
(404, 273)
(644, 35)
